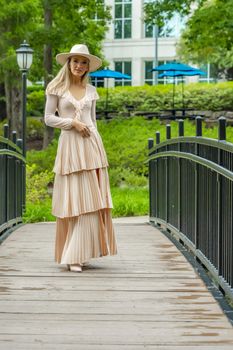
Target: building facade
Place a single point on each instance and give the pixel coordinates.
(130, 44)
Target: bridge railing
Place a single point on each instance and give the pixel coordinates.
(191, 196)
(12, 182)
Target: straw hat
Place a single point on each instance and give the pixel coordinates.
(82, 50)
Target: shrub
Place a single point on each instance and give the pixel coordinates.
(35, 103)
(35, 128)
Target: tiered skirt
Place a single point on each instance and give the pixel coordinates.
(82, 200)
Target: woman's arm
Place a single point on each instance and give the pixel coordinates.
(51, 119)
(93, 113)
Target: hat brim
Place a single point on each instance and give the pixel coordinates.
(94, 61)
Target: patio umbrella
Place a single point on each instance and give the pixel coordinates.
(181, 74)
(108, 73)
(172, 68)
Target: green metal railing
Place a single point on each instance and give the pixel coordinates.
(191, 196)
(12, 182)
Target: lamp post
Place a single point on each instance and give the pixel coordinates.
(156, 34)
(24, 59)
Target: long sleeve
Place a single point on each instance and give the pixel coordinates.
(93, 113)
(51, 119)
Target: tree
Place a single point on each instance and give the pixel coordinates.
(208, 36)
(59, 33)
(50, 26)
(159, 11)
(16, 21)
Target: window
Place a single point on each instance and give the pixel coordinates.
(123, 19)
(125, 68)
(148, 77)
(97, 82)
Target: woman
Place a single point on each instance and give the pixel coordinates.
(81, 195)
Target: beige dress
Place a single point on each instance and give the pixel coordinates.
(81, 196)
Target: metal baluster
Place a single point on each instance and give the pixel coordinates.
(221, 137)
(196, 190)
(150, 145)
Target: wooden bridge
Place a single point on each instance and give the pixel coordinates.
(146, 297)
(149, 296)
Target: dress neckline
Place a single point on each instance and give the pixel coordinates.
(80, 98)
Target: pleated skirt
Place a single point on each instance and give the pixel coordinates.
(82, 204)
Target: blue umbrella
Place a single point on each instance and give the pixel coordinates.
(173, 66)
(108, 73)
(174, 74)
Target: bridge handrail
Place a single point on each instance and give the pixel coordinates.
(191, 196)
(10, 143)
(12, 182)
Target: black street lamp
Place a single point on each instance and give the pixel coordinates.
(24, 59)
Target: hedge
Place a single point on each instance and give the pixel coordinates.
(199, 96)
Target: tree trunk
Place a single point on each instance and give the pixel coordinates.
(13, 104)
(48, 66)
(2, 102)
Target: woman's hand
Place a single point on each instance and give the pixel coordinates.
(81, 127)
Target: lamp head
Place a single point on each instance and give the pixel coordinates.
(24, 56)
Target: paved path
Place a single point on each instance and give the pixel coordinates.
(147, 297)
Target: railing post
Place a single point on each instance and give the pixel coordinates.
(221, 137)
(180, 134)
(150, 145)
(168, 131)
(14, 136)
(157, 137)
(6, 131)
(168, 136)
(222, 129)
(157, 140)
(6, 136)
(14, 180)
(21, 190)
(181, 127)
(196, 181)
(198, 126)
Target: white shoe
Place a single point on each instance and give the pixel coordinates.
(76, 268)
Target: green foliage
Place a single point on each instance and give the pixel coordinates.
(35, 129)
(35, 103)
(37, 184)
(37, 212)
(208, 36)
(126, 202)
(199, 96)
(159, 11)
(125, 142)
(130, 201)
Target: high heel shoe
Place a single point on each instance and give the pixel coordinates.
(76, 268)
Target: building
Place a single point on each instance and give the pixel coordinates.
(130, 44)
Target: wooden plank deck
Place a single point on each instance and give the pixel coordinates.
(146, 297)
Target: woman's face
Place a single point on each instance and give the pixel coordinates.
(79, 65)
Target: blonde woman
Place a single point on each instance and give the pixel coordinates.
(81, 195)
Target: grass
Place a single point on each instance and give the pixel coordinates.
(126, 202)
(125, 141)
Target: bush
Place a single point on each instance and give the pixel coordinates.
(35, 128)
(199, 96)
(35, 103)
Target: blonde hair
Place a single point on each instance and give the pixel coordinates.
(62, 81)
